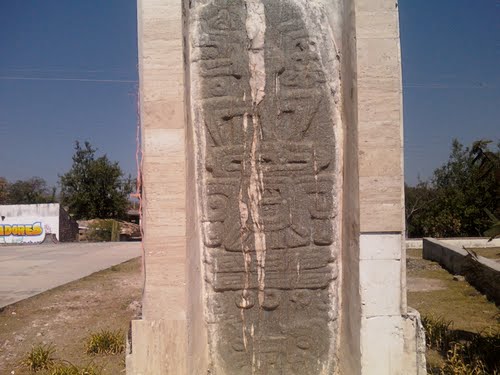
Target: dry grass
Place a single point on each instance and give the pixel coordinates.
(66, 316)
(69, 369)
(106, 342)
(462, 353)
(40, 357)
(462, 325)
(492, 253)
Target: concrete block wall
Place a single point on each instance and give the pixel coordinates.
(480, 272)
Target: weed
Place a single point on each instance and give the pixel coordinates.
(106, 342)
(457, 365)
(438, 333)
(466, 353)
(103, 230)
(40, 357)
(69, 369)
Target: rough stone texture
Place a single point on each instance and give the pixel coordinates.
(414, 349)
(265, 129)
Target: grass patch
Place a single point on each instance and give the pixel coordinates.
(491, 252)
(106, 342)
(437, 332)
(40, 357)
(464, 353)
(69, 369)
(458, 301)
(414, 253)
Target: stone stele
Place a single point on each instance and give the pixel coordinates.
(272, 190)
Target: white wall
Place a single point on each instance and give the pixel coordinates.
(479, 242)
(28, 223)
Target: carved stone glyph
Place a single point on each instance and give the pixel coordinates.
(264, 123)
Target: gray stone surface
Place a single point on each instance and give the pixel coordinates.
(29, 270)
(267, 147)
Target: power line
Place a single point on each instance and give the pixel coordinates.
(13, 78)
(435, 86)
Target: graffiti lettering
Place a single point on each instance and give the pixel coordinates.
(20, 230)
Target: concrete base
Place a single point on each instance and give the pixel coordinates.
(159, 347)
(392, 339)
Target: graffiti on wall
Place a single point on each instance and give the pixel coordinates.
(31, 231)
(29, 223)
(21, 230)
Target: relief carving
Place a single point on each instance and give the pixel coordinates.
(268, 172)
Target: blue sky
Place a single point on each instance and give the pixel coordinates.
(68, 70)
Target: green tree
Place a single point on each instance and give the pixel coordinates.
(417, 201)
(454, 199)
(94, 187)
(3, 190)
(489, 166)
(30, 191)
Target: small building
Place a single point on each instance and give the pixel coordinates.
(36, 223)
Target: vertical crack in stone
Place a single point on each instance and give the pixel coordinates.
(243, 208)
(256, 30)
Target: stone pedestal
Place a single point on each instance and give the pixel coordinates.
(273, 190)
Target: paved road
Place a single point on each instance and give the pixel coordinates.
(28, 270)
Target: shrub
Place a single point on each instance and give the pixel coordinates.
(69, 369)
(472, 354)
(438, 332)
(106, 342)
(40, 357)
(103, 230)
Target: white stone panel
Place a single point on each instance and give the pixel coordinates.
(380, 246)
(382, 343)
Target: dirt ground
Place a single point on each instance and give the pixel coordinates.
(67, 315)
(435, 292)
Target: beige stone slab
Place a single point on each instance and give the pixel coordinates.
(380, 161)
(161, 66)
(377, 24)
(164, 142)
(378, 105)
(379, 58)
(381, 204)
(380, 189)
(161, 28)
(161, 85)
(380, 83)
(162, 10)
(376, 5)
(159, 113)
(380, 134)
(381, 217)
(158, 348)
(165, 277)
